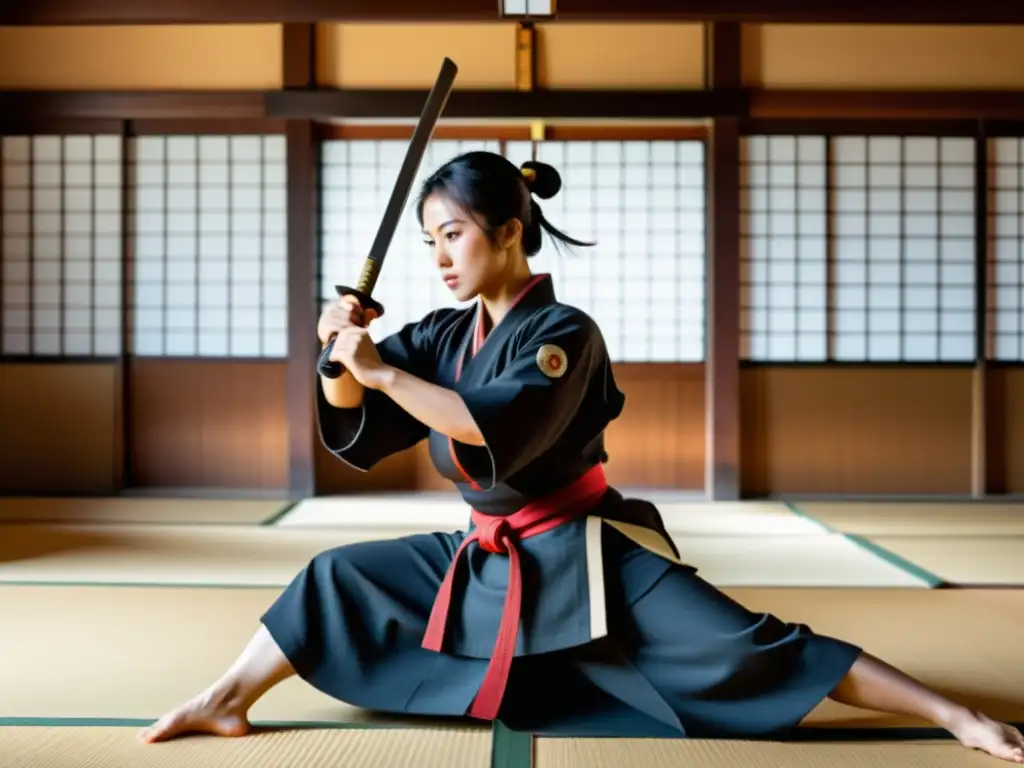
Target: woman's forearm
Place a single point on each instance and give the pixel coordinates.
(440, 409)
(343, 392)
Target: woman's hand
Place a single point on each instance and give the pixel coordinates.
(345, 314)
(355, 350)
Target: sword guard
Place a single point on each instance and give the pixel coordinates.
(331, 369)
(365, 300)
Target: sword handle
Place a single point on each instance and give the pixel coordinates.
(367, 280)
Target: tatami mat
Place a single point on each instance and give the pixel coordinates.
(117, 748)
(964, 560)
(270, 556)
(918, 518)
(652, 753)
(138, 510)
(790, 561)
(747, 518)
(448, 511)
(141, 554)
(118, 652)
(443, 511)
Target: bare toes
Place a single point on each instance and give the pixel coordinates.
(192, 719)
(165, 728)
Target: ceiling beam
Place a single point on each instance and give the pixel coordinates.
(773, 111)
(328, 104)
(55, 12)
(894, 105)
(796, 11)
(132, 105)
(58, 12)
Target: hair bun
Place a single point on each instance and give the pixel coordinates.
(541, 179)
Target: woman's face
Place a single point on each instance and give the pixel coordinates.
(469, 262)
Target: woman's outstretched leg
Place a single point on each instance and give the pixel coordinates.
(873, 684)
(222, 709)
(339, 624)
(728, 671)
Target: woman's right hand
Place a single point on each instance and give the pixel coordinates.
(345, 314)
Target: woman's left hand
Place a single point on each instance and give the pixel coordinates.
(355, 350)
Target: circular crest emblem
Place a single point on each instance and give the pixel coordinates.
(552, 361)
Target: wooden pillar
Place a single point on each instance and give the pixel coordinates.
(722, 374)
(979, 380)
(526, 56)
(299, 62)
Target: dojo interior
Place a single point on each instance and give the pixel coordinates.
(809, 274)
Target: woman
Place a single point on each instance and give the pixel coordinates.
(559, 581)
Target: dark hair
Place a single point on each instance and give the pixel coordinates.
(491, 187)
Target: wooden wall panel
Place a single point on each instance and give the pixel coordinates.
(630, 56)
(850, 430)
(398, 474)
(627, 56)
(1005, 449)
(157, 57)
(658, 442)
(59, 427)
(209, 423)
(409, 55)
(879, 56)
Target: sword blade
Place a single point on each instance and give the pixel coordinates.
(436, 100)
(421, 136)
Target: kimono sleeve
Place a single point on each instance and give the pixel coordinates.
(363, 436)
(529, 407)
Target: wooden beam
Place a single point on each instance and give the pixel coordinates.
(519, 132)
(303, 164)
(55, 12)
(795, 11)
(328, 104)
(1004, 110)
(903, 104)
(16, 125)
(722, 368)
(132, 105)
(856, 126)
(59, 12)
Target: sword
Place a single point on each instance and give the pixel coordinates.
(436, 100)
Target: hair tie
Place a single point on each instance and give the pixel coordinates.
(529, 174)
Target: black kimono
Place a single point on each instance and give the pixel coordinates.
(623, 637)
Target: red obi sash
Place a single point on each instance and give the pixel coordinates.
(500, 534)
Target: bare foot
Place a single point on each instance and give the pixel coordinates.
(215, 712)
(981, 732)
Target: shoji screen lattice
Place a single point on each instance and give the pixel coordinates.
(60, 245)
(642, 201)
(209, 245)
(858, 248)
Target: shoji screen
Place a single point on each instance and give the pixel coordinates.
(1006, 250)
(61, 246)
(784, 248)
(858, 248)
(209, 246)
(642, 201)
